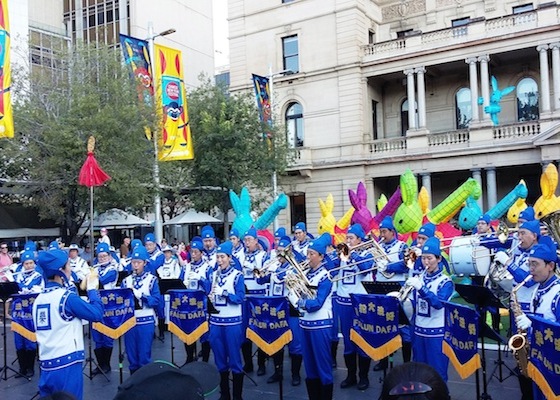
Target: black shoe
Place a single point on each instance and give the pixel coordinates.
(381, 365)
(96, 371)
(296, 380)
(363, 384)
(348, 382)
(248, 368)
(106, 369)
(30, 373)
(275, 377)
(261, 371)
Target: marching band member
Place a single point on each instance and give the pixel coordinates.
(226, 328)
(156, 257)
(237, 245)
(350, 281)
(107, 269)
(277, 287)
(197, 277)
(425, 232)
(169, 270)
(58, 315)
(278, 235)
(395, 250)
(79, 266)
(300, 244)
(144, 285)
(546, 299)
(209, 240)
(527, 214)
(483, 228)
(254, 260)
(429, 320)
(316, 323)
(29, 281)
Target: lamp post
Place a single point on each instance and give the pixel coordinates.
(271, 77)
(158, 225)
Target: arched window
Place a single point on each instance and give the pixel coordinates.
(463, 108)
(527, 100)
(294, 124)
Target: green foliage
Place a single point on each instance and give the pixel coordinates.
(56, 112)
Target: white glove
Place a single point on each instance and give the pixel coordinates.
(523, 322)
(137, 293)
(382, 265)
(501, 257)
(293, 299)
(92, 281)
(225, 293)
(192, 276)
(415, 282)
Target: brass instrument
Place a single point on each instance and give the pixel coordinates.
(552, 223)
(518, 343)
(407, 289)
(499, 280)
(371, 247)
(296, 279)
(268, 267)
(212, 294)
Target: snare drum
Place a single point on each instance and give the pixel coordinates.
(468, 258)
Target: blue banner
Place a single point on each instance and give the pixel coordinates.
(22, 315)
(136, 55)
(376, 327)
(262, 94)
(544, 356)
(188, 319)
(268, 323)
(460, 340)
(118, 312)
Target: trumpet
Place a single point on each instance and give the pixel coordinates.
(371, 247)
(267, 268)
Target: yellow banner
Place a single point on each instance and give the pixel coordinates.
(6, 117)
(175, 142)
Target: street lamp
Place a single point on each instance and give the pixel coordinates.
(271, 77)
(158, 225)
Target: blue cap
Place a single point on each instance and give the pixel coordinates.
(432, 246)
(135, 243)
(527, 214)
(27, 255)
(280, 233)
(52, 261)
(544, 252)
(532, 226)
(251, 232)
(319, 246)
(102, 248)
(225, 248)
(30, 246)
(300, 226)
(207, 232)
(139, 253)
(197, 244)
(387, 223)
(53, 245)
(428, 229)
(326, 238)
(150, 237)
(485, 218)
(357, 230)
(284, 241)
(234, 232)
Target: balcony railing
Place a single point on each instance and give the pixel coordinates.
(514, 131)
(448, 138)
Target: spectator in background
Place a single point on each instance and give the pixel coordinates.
(125, 247)
(5, 258)
(86, 254)
(104, 237)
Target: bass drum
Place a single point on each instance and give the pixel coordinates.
(468, 258)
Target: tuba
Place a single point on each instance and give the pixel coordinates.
(518, 343)
(552, 222)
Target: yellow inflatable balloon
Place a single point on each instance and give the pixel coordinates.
(515, 210)
(548, 202)
(424, 200)
(381, 202)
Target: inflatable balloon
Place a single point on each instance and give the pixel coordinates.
(447, 207)
(469, 215)
(361, 215)
(328, 223)
(519, 192)
(548, 202)
(515, 210)
(408, 217)
(381, 202)
(242, 207)
(390, 208)
(424, 200)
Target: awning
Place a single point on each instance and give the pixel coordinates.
(116, 218)
(192, 217)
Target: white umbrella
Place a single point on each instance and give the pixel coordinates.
(117, 218)
(192, 217)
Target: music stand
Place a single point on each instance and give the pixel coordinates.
(7, 289)
(482, 298)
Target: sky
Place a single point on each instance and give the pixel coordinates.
(221, 47)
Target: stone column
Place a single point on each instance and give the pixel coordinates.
(485, 85)
(421, 97)
(427, 183)
(545, 84)
(556, 74)
(473, 79)
(478, 177)
(410, 97)
(491, 188)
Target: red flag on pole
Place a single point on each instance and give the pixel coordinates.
(91, 173)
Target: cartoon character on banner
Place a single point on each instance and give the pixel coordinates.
(328, 223)
(408, 217)
(548, 202)
(494, 107)
(242, 207)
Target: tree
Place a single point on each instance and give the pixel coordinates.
(229, 146)
(89, 93)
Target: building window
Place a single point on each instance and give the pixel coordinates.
(294, 125)
(404, 116)
(460, 22)
(290, 51)
(527, 100)
(402, 34)
(523, 8)
(374, 119)
(371, 36)
(297, 208)
(287, 1)
(463, 108)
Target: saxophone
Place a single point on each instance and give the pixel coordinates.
(518, 343)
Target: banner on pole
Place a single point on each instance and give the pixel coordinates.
(6, 116)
